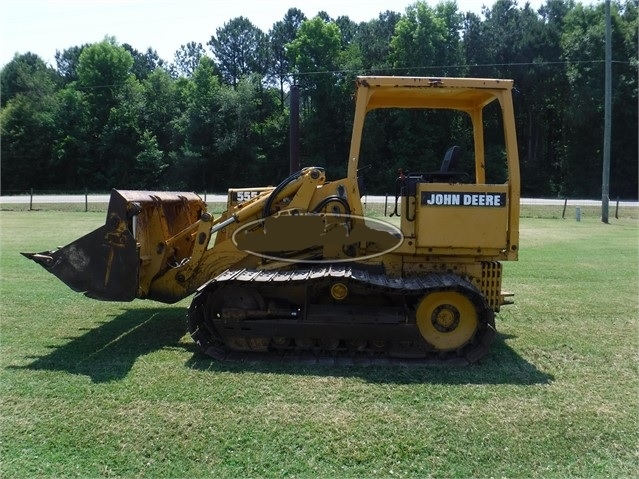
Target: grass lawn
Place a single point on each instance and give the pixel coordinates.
(93, 389)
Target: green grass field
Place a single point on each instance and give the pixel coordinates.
(91, 389)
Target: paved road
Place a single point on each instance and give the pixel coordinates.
(217, 198)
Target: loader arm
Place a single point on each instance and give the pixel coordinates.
(304, 194)
(163, 246)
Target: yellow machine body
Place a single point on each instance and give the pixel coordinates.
(298, 266)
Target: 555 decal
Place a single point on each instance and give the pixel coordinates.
(242, 196)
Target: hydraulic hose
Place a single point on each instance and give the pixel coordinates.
(276, 191)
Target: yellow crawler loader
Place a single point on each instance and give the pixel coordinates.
(299, 267)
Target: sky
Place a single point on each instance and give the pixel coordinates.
(46, 26)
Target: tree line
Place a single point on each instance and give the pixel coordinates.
(217, 115)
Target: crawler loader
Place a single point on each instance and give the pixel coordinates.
(299, 268)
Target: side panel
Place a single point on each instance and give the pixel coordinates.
(462, 216)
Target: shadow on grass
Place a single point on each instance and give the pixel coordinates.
(108, 352)
(502, 365)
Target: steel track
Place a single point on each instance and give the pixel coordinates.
(380, 340)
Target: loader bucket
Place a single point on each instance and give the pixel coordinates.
(105, 264)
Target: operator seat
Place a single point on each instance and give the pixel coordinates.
(451, 159)
(448, 170)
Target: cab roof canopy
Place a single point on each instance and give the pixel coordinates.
(464, 94)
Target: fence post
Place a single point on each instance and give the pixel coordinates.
(86, 199)
(385, 204)
(31, 200)
(563, 215)
(617, 209)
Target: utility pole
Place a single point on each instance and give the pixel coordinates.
(294, 130)
(605, 177)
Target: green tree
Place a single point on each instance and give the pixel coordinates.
(502, 32)
(27, 123)
(427, 42)
(450, 51)
(240, 49)
(103, 68)
(67, 62)
(187, 58)
(194, 155)
(72, 156)
(583, 48)
(283, 33)
(427, 37)
(144, 63)
(473, 44)
(315, 56)
(351, 56)
(119, 139)
(110, 117)
(26, 74)
(160, 107)
(624, 169)
(27, 126)
(523, 45)
(150, 163)
(539, 108)
(238, 144)
(103, 72)
(348, 29)
(373, 39)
